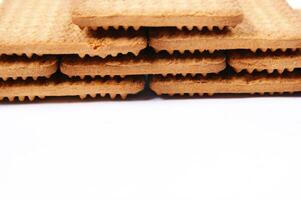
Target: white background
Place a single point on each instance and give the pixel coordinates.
(152, 149)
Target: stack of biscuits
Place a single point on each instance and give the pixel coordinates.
(118, 48)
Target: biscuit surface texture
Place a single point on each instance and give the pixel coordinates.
(70, 87)
(22, 67)
(269, 61)
(267, 24)
(233, 84)
(144, 64)
(45, 27)
(154, 13)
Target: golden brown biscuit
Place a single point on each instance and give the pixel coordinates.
(269, 61)
(267, 24)
(157, 13)
(22, 67)
(45, 27)
(70, 87)
(228, 84)
(125, 65)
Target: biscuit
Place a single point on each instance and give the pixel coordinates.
(22, 67)
(267, 24)
(228, 84)
(269, 61)
(21, 90)
(45, 27)
(125, 65)
(156, 13)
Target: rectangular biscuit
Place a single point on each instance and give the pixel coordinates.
(22, 67)
(45, 27)
(228, 84)
(156, 13)
(267, 24)
(269, 61)
(125, 65)
(70, 87)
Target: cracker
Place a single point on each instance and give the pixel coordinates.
(157, 13)
(125, 65)
(70, 87)
(267, 24)
(22, 67)
(228, 84)
(269, 61)
(45, 27)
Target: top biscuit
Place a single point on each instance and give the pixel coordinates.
(45, 27)
(157, 13)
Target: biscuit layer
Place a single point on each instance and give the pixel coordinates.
(269, 61)
(70, 87)
(157, 13)
(228, 84)
(267, 24)
(22, 67)
(125, 65)
(45, 27)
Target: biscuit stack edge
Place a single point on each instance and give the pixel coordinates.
(109, 48)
